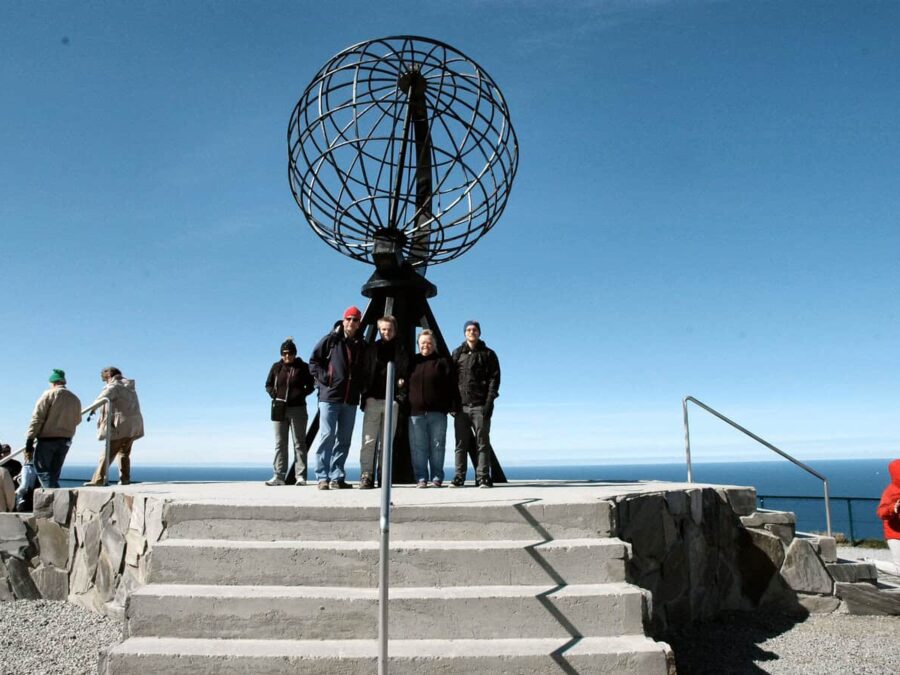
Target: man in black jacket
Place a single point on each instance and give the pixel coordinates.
(478, 377)
(372, 399)
(335, 365)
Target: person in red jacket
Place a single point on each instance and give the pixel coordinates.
(889, 512)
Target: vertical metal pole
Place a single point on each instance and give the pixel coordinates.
(827, 508)
(687, 441)
(850, 516)
(387, 456)
(109, 416)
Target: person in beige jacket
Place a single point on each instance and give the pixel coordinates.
(127, 424)
(56, 414)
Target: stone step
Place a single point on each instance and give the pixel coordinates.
(868, 599)
(852, 571)
(413, 563)
(628, 655)
(315, 613)
(497, 519)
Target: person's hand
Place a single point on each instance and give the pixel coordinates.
(488, 408)
(897, 506)
(29, 445)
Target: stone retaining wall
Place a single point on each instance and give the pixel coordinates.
(86, 546)
(706, 550)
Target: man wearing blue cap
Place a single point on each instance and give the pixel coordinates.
(478, 376)
(56, 414)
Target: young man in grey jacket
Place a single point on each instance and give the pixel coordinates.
(56, 414)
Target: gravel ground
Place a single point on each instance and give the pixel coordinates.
(765, 643)
(58, 638)
(70, 639)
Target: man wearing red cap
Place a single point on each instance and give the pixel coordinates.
(336, 366)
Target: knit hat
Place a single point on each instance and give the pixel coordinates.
(58, 375)
(288, 345)
(472, 322)
(352, 312)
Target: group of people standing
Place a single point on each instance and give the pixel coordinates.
(54, 420)
(348, 373)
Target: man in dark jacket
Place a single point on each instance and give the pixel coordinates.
(335, 365)
(372, 399)
(478, 377)
(290, 382)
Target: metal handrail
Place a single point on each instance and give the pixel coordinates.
(109, 415)
(687, 449)
(11, 455)
(849, 500)
(87, 411)
(387, 456)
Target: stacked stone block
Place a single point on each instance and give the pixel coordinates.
(85, 546)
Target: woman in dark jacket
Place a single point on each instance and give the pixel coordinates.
(432, 394)
(289, 383)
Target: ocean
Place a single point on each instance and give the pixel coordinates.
(780, 484)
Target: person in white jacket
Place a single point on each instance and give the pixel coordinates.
(127, 424)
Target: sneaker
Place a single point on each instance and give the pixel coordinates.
(366, 482)
(125, 482)
(422, 484)
(323, 484)
(301, 481)
(91, 483)
(275, 480)
(340, 484)
(457, 482)
(485, 483)
(437, 483)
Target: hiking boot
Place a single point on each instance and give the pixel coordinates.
(366, 482)
(323, 484)
(124, 481)
(457, 482)
(340, 484)
(275, 480)
(422, 484)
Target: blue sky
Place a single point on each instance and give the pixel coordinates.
(706, 204)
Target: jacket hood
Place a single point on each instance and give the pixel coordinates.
(894, 470)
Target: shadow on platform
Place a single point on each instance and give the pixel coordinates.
(732, 643)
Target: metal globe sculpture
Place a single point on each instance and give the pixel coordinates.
(401, 154)
(404, 137)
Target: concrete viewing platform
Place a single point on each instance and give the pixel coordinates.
(257, 493)
(530, 576)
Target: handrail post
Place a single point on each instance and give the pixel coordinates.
(850, 518)
(827, 508)
(687, 440)
(387, 456)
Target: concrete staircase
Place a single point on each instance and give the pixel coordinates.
(482, 585)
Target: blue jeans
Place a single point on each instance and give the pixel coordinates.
(428, 442)
(333, 442)
(49, 455)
